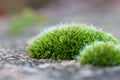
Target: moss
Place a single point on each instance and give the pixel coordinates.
(65, 40)
(100, 54)
(27, 17)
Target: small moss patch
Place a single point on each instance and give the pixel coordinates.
(65, 40)
(100, 54)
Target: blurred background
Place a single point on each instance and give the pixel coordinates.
(20, 20)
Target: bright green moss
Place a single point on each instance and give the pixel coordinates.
(65, 40)
(100, 54)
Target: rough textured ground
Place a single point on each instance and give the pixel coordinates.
(15, 63)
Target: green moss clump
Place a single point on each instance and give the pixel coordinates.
(100, 54)
(65, 40)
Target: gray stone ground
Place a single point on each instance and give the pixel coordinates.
(15, 63)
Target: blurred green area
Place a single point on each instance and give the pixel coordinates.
(23, 13)
(23, 20)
